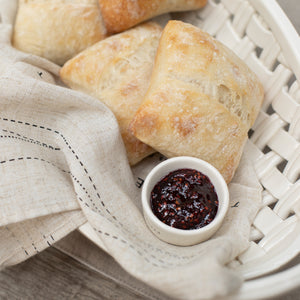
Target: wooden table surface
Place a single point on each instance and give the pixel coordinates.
(54, 275)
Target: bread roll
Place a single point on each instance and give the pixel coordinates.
(57, 29)
(117, 71)
(201, 102)
(120, 15)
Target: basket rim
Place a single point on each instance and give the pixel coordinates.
(270, 286)
(283, 30)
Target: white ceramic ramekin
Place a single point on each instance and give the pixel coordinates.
(177, 236)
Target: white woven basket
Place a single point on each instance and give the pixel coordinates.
(261, 34)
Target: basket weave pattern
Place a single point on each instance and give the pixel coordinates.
(275, 135)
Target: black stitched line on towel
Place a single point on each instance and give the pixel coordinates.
(16, 240)
(95, 188)
(46, 239)
(26, 139)
(135, 249)
(96, 209)
(32, 243)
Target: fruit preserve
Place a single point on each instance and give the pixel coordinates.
(185, 199)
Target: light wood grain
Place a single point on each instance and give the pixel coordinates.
(54, 275)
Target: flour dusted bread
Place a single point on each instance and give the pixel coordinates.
(117, 71)
(201, 102)
(57, 29)
(120, 15)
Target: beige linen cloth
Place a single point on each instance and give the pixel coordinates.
(63, 163)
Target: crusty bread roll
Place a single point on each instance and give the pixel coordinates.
(117, 71)
(201, 102)
(120, 15)
(57, 29)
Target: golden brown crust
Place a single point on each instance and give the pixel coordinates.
(117, 71)
(201, 102)
(57, 29)
(120, 15)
